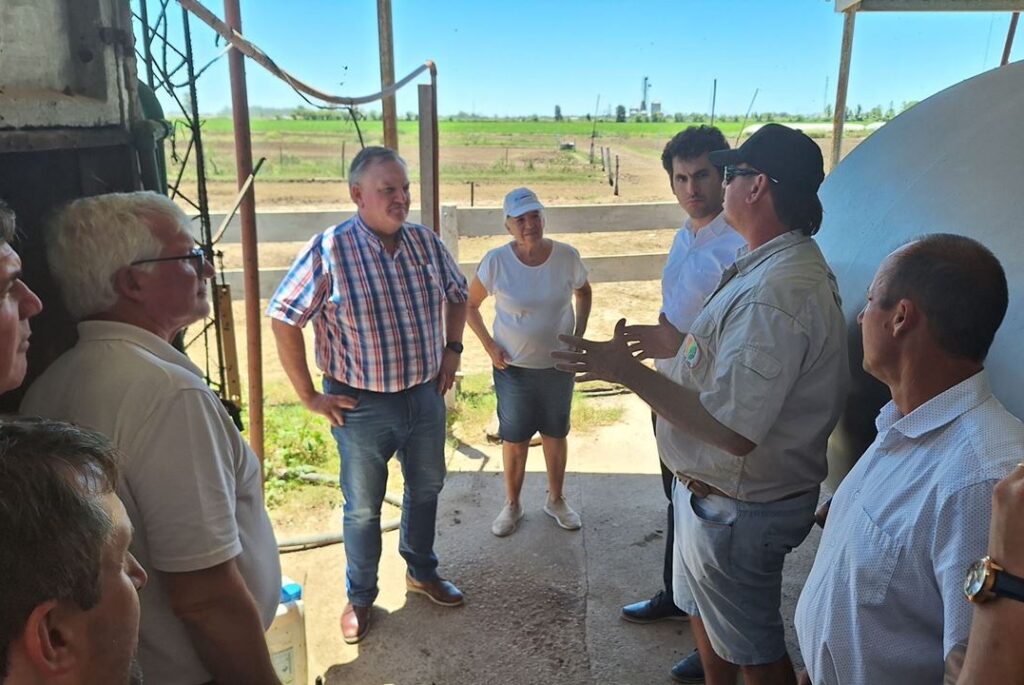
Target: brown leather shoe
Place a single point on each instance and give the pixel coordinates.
(438, 591)
(355, 623)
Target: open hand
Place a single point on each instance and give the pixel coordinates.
(660, 341)
(331, 406)
(607, 361)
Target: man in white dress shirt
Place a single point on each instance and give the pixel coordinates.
(702, 249)
(884, 600)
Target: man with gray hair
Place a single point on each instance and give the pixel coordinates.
(69, 610)
(388, 306)
(130, 273)
(17, 305)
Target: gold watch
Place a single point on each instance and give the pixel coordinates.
(986, 580)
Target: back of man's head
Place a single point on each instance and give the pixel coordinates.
(53, 526)
(89, 239)
(691, 143)
(958, 284)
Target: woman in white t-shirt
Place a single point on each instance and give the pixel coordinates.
(534, 281)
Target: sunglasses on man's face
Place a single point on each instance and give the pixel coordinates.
(730, 172)
(196, 254)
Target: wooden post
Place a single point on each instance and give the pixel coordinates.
(344, 162)
(616, 175)
(450, 238)
(429, 188)
(472, 193)
(839, 115)
(387, 73)
(1009, 39)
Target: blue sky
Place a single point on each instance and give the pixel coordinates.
(500, 58)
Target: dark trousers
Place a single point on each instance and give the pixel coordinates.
(670, 528)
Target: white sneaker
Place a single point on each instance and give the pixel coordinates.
(507, 520)
(563, 514)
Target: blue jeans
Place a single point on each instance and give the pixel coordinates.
(410, 424)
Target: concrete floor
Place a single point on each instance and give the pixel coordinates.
(543, 604)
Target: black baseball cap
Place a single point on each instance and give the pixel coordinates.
(786, 154)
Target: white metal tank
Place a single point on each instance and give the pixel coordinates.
(953, 163)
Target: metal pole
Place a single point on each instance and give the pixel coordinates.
(839, 116)
(714, 97)
(247, 214)
(1009, 39)
(387, 73)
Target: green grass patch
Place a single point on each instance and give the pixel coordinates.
(297, 441)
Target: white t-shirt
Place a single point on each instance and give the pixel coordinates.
(533, 304)
(189, 482)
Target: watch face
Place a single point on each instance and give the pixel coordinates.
(975, 580)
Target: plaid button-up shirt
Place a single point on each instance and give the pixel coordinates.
(377, 318)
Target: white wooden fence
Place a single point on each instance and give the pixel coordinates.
(465, 222)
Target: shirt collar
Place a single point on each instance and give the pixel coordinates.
(939, 411)
(99, 331)
(751, 259)
(371, 237)
(715, 228)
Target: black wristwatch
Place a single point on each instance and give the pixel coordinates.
(987, 580)
(455, 346)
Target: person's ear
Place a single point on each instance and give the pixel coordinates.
(50, 640)
(758, 189)
(905, 318)
(127, 283)
(356, 193)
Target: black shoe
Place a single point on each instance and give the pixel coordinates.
(657, 608)
(688, 670)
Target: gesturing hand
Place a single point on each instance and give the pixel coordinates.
(594, 360)
(331, 406)
(660, 341)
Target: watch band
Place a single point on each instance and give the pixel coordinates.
(455, 346)
(1008, 585)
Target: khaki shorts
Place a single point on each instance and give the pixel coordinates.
(728, 559)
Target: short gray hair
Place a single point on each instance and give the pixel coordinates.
(91, 238)
(368, 156)
(7, 223)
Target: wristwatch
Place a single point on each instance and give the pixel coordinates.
(455, 346)
(987, 580)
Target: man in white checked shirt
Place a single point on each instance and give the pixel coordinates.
(884, 601)
(388, 307)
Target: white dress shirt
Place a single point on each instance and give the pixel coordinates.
(884, 601)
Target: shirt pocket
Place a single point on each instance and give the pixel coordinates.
(870, 560)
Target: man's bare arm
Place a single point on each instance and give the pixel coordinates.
(221, 617)
(291, 350)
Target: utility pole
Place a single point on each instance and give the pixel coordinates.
(387, 73)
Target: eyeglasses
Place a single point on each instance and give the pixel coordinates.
(730, 172)
(197, 254)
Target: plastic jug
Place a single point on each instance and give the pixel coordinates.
(286, 638)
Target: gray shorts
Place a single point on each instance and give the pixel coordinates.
(728, 562)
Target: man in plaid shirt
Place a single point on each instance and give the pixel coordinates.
(388, 306)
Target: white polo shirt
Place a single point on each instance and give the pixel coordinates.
(190, 483)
